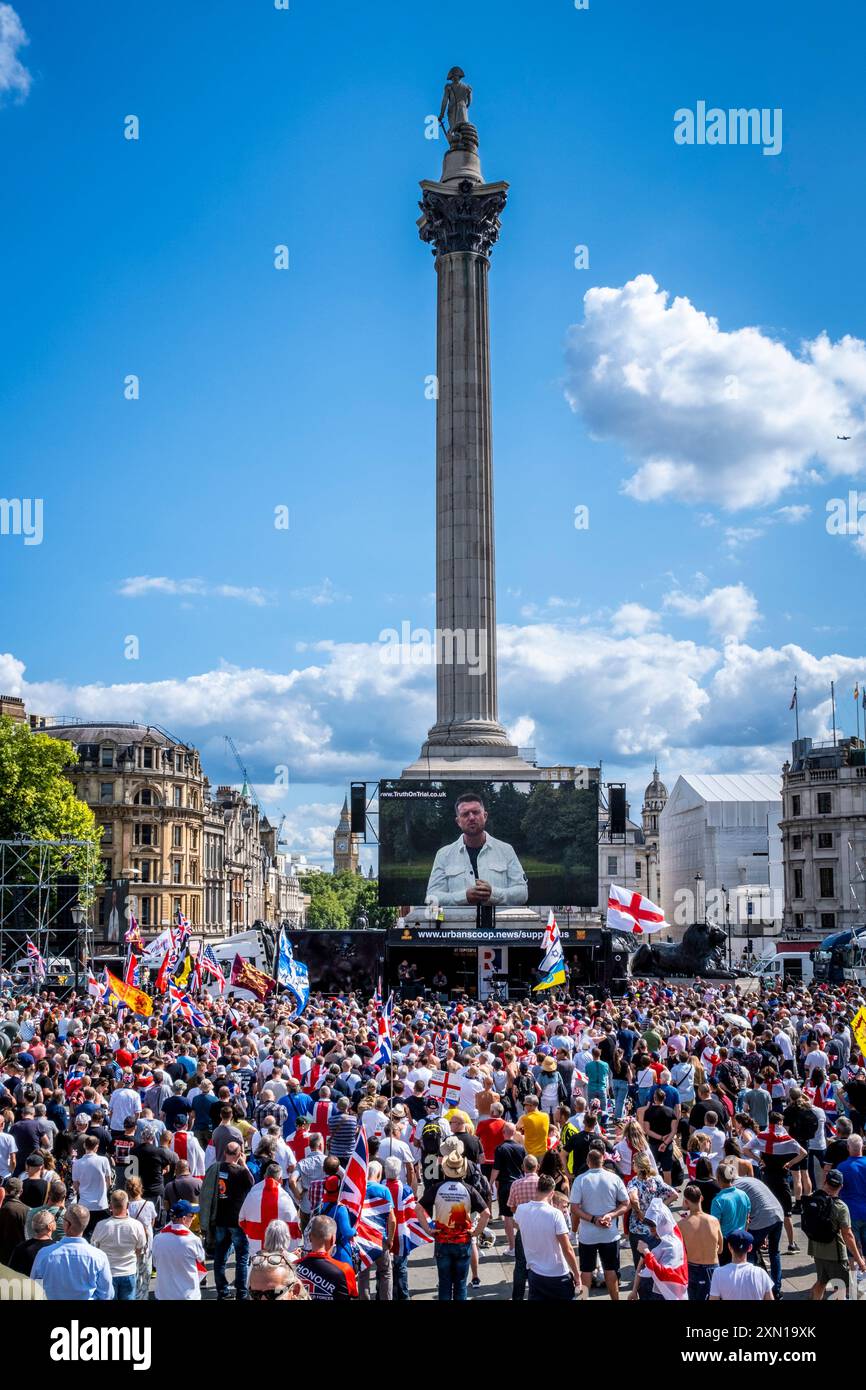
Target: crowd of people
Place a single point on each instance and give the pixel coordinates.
(669, 1144)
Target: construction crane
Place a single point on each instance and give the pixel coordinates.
(247, 789)
(280, 840)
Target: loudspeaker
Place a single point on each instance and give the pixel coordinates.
(358, 806)
(618, 962)
(616, 807)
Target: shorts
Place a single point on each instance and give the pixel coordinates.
(503, 1192)
(607, 1251)
(799, 1167)
(825, 1270)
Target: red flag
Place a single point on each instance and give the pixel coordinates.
(162, 976)
(131, 967)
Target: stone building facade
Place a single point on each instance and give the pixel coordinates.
(824, 837)
(146, 790)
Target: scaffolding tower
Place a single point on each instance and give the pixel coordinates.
(41, 905)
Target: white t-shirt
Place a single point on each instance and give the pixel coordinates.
(180, 1265)
(93, 1175)
(395, 1148)
(742, 1283)
(122, 1103)
(374, 1122)
(540, 1224)
(598, 1192)
(419, 1074)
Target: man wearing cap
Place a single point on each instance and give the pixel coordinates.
(831, 1255)
(452, 1202)
(179, 1258)
(740, 1281)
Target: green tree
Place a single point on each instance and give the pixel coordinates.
(338, 899)
(37, 800)
(327, 909)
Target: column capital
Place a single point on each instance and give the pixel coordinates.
(464, 217)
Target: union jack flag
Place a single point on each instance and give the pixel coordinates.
(410, 1232)
(353, 1188)
(385, 1048)
(180, 1002)
(368, 1240)
(37, 961)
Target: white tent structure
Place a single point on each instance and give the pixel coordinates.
(720, 854)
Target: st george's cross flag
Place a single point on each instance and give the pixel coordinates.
(629, 912)
(264, 1203)
(552, 967)
(444, 1087)
(666, 1262)
(186, 1147)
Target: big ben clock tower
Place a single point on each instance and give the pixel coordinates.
(345, 845)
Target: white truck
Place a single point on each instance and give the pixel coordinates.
(254, 946)
(792, 966)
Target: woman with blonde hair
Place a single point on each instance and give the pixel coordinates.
(633, 1143)
(643, 1188)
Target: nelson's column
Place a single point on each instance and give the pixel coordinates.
(460, 220)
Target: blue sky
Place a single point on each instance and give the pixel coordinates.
(706, 579)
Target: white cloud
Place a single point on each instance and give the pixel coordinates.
(633, 619)
(793, 515)
(576, 694)
(729, 611)
(320, 594)
(15, 80)
(143, 584)
(733, 418)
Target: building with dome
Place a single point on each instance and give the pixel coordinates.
(654, 800)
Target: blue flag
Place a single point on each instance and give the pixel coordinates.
(291, 974)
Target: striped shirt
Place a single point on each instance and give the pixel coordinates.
(344, 1130)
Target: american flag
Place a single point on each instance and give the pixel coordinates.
(353, 1188)
(211, 966)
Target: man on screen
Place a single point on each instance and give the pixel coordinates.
(476, 870)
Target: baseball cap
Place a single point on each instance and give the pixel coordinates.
(182, 1208)
(740, 1240)
(834, 1178)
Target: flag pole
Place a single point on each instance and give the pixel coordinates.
(833, 705)
(857, 705)
(796, 710)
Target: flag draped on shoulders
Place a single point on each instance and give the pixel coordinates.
(667, 1263)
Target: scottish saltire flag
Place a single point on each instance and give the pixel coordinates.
(353, 1188)
(385, 1047)
(212, 968)
(291, 974)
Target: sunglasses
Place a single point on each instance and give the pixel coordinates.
(268, 1295)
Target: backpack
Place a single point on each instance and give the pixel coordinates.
(817, 1218)
(805, 1124)
(431, 1138)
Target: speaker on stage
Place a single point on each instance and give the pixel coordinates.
(358, 808)
(616, 809)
